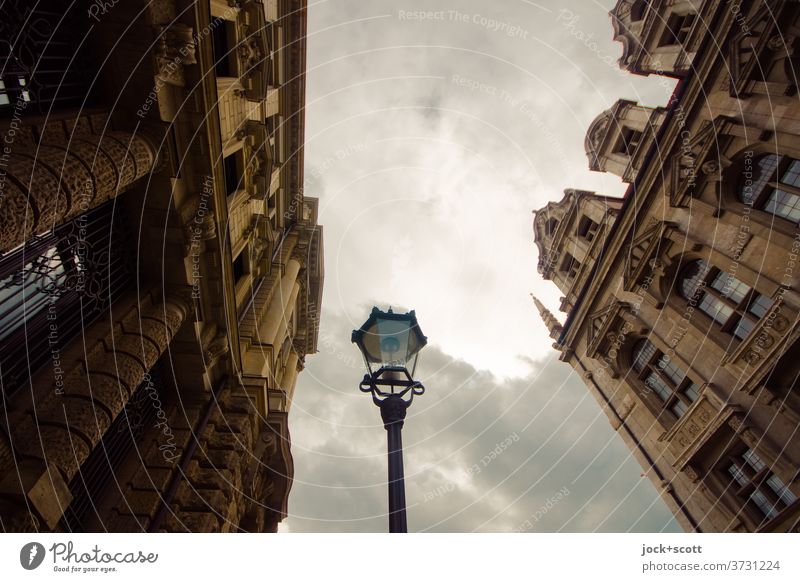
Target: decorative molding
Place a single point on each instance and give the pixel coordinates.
(695, 427)
(765, 337)
(698, 161)
(174, 49)
(604, 327)
(215, 345)
(745, 48)
(67, 179)
(644, 252)
(110, 372)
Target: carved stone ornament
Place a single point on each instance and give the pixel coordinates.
(250, 53)
(710, 168)
(765, 397)
(777, 42)
(260, 244)
(780, 324)
(174, 49)
(270, 452)
(595, 136)
(694, 424)
(258, 162)
(765, 341)
(752, 357)
(216, 348)
(205, 225)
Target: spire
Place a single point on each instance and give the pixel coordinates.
(553, 325)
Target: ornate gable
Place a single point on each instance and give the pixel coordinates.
(748, 43)
(605, 328)
(644, 251)
(549, 243)
(697, 161)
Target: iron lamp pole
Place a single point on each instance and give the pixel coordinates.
(390, 342)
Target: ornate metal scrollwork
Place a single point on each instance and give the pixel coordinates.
(393, 403)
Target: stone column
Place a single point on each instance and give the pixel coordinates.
(60, 179)
(287, 317)
(69, 423)
(275, 316)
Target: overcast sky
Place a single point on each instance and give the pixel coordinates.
(433, 130)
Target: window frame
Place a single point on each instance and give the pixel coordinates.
(770, 186)
(638, 10)
(570, 266)
(651, 367)
(628, 141)
(225, 65)
(236, 159)
(587, 228)
(677, 29)
(739, 311)
(756, 474)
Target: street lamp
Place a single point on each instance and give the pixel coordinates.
(391, 342)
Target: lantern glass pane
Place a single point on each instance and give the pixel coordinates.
(394, 337)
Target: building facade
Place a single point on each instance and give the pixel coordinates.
(681, 298)
(160, 268)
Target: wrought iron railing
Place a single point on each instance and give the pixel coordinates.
(41, 56)
(55, 286)
(98, 476)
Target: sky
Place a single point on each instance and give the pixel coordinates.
(433, 130)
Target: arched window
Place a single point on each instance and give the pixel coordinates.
(659, 374)
(735, 306)
(774, 187)
(550, 227)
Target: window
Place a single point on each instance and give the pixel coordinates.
(45, 60)
(272, 122)
(783, 379)
(233, 173)
(587, 228)
(16, 85)
(65, 279)
(659, 374)
(638, 9)
(550, 227)
(761, 491)
(775, 187)
(733, 305)
(239, 269)
(677, 30)
(570, 266)
(628, 141)
(224, 43)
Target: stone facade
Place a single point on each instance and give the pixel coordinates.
(682, 297)
(160, 268)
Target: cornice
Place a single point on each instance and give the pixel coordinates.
(685, 98)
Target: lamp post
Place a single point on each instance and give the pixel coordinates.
(390, 342)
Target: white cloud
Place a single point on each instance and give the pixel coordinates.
(429, 144)
(480, 454)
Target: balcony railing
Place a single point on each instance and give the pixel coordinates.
(42, 60)
(56, 286)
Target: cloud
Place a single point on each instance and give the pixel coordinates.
(429, 141)
(480, 454)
